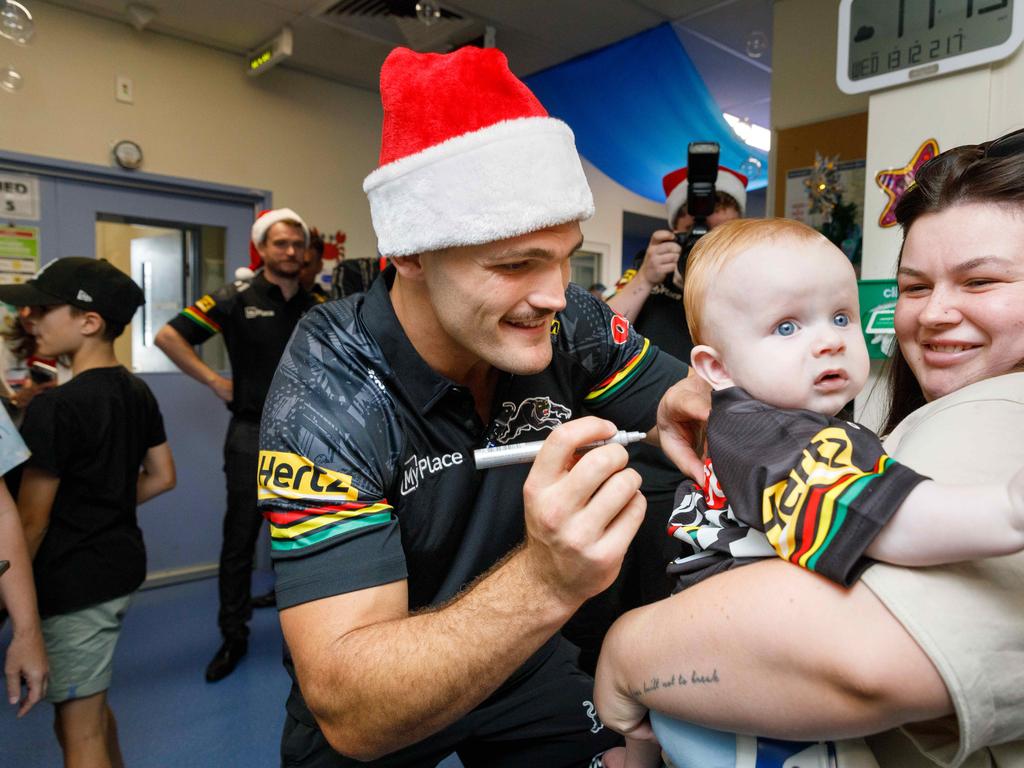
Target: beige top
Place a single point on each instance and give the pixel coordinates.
(969, 617)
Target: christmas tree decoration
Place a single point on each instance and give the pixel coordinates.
(839, 219)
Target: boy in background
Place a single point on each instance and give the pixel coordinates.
(772, 307)
(98, 449)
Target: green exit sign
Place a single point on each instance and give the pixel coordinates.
(878, 315)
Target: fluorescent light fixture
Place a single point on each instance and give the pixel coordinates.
(750, 133)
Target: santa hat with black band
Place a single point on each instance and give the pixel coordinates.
(676, 187)
(468, 155)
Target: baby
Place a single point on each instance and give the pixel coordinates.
(772, 308)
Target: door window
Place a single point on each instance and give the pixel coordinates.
(174, 264)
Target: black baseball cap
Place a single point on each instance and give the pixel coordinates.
(95, 285)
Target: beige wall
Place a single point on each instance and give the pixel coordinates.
(197, 115)
(804, 86)
(604, 232)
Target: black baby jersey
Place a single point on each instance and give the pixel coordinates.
(812, 489)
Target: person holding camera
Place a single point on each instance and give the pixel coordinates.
(644, 294)
(650, 296)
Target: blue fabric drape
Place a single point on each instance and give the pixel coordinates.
(635, 105)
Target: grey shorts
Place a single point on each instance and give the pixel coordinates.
(80, 646)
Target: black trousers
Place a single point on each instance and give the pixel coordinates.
(241, 528)
(545, 719)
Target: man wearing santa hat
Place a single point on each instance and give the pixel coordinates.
(421, 597)
(257, 317)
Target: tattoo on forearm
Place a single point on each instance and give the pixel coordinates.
(676, 680)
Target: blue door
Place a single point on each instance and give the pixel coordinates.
(179, 239)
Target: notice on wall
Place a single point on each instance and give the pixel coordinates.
(878, 315)
(19, 254)
(19, 197)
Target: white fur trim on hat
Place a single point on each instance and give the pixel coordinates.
(507, 179)
(270, 218)
(727, 182)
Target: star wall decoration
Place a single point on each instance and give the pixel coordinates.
(895, 181)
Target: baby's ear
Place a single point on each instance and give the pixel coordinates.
(708, 364)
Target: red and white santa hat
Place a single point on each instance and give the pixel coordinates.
(468, 155)
(729, 181)
(264, 221)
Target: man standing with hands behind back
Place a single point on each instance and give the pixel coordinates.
(257, 317)
(421, 598)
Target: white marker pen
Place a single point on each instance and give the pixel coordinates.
(524, 453)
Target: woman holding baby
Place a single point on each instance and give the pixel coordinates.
(930, 660)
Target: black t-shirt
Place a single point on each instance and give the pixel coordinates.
(256, 322)
(92, 433)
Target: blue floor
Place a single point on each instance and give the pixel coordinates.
(167, 714)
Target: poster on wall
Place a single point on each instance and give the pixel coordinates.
(829, 196)
(19, 254)
(19, 261)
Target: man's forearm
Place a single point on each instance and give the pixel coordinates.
(181, 353)
(390, 684)
(631, 299)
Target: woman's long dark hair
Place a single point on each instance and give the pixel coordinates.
(957, 176)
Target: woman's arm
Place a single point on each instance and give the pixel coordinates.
(26, 656)
(772, 650)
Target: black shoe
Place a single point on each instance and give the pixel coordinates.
(268, 600)
(226, 659)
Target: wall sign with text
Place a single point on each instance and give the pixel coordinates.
(19, 196)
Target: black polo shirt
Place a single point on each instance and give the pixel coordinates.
(366, 468)
(662, 319)
(256, 322)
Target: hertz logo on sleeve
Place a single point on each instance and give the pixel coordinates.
(289, 476)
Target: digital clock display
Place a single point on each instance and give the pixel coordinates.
(893, 35)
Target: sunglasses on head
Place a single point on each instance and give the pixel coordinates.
(1004, 146)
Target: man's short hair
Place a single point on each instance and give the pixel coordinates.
(723, 202)
(316, 243)
(289, 222)
(719, 247)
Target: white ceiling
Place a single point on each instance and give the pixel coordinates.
(535, 34)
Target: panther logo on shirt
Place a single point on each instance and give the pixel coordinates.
(534, 413)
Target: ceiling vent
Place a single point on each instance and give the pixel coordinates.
(397, 22)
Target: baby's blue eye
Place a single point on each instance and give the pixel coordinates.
(785, 328)
(842, 319)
